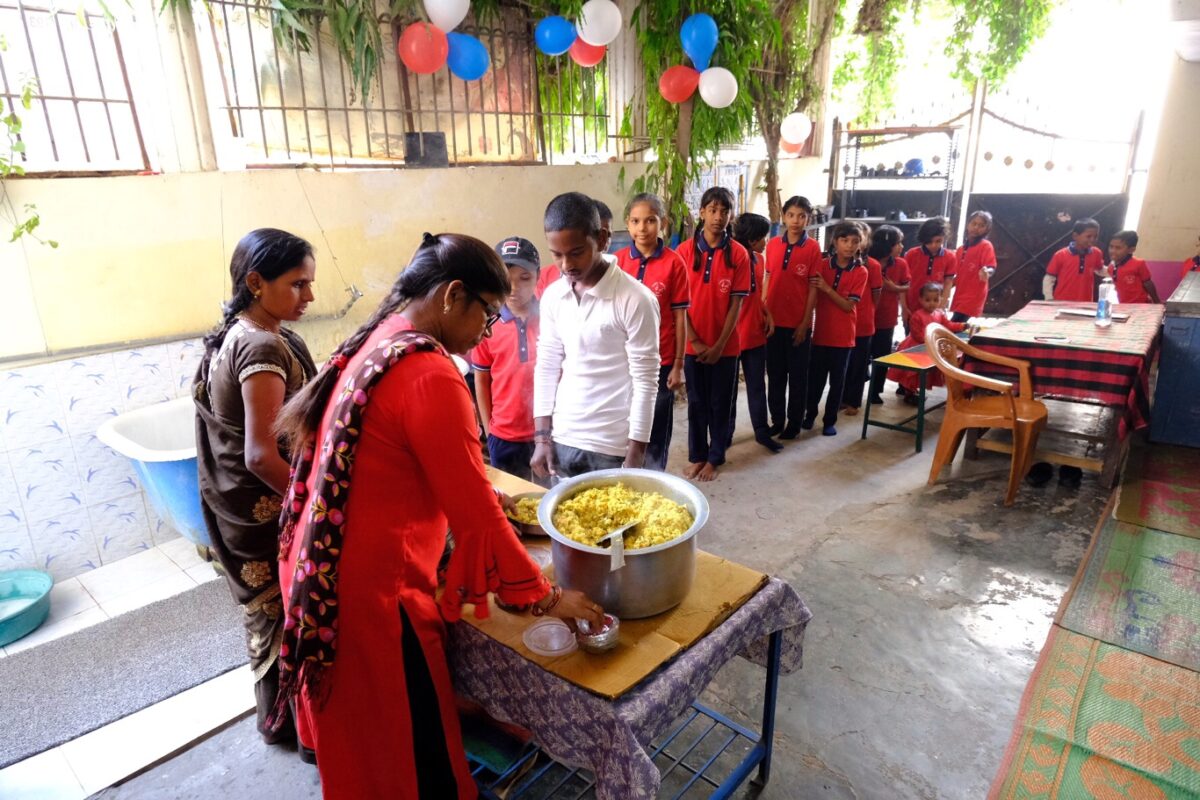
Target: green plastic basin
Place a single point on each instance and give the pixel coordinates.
(24, 602)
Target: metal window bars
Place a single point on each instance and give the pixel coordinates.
(286, 106)
(83, 117)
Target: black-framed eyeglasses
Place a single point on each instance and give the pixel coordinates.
(492, 316)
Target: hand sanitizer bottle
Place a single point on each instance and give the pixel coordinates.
(1104, 303)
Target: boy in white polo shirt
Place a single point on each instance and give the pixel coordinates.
(597, 364)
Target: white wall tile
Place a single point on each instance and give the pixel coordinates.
(120, 527)
(47, 477)
(65, 544)
(184, 357)
(16, 548)
(144, 376)
(103, 473)
(31, 408)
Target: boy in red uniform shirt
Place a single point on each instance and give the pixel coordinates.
(1072, 271)
(1130, 275)
(864, 327)
(718, 281)
(791, 258)
(929, 263)
(887, 243)
(754, 330)
(976, 263)
(504, 364)
(661, 270)
(1191, 264)
(836, 288)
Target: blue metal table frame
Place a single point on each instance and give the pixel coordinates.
(558, 781)
(879, 369)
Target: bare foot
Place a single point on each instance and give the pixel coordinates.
(707, 473)
(693, 469)
(849, 411)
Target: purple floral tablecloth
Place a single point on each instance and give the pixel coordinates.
(609, 737)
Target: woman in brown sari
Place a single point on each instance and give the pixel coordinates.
(251, 366)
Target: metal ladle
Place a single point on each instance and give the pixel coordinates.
(618, 545)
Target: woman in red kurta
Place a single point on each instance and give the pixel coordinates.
(363, 655)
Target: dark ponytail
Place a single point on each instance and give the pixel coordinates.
(715, 194)
(439, 259)
(268, 251)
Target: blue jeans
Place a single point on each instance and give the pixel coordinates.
(571, 461)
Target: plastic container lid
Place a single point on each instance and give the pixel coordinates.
(549, 637)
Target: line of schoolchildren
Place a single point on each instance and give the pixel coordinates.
(795, 319)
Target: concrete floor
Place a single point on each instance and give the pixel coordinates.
(930, 604)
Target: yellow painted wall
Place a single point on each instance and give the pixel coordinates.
(146, 257)
(1170, 220)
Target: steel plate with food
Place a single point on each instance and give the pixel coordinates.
(524, 515)
(655, 576)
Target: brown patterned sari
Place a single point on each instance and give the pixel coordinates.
(242, 512)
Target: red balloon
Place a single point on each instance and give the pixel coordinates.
(587, 55)
(423, 48)
(678, 83)
(788, 147)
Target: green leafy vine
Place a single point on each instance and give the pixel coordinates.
(26, 221)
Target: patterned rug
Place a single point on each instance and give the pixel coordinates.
(1161, 489)
(1097, 721)
(1139, 589)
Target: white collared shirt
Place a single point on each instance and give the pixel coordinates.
(604, 344)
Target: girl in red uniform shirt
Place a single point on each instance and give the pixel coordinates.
(887, 243)
(718, 281)
(976, 263)
(754, 330)
(791, 258)
(363, 647)
(928, 313)
(864, 327)
(930, 263)
(837, 287)
(1072, 271)
(1130, 275)
(661, 270)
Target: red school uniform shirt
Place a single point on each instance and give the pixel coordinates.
(1130, 278)
(788, 266)
(1075, 273)
(917, 324)
(662, 273)
(925, 267)
(548, 274)
(752, 318)
(1189, 265)
(834, 327)
(887, 310)
(509, 355)
(864, 312)
(714, 279)
(970, 292)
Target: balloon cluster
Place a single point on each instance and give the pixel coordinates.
(717, 85)
(587, 40)
(794, 131)
(425, 47)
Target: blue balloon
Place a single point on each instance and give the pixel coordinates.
(699, 37)
(468, 58)
(554, 35)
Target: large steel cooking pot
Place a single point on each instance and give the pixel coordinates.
(654, 579)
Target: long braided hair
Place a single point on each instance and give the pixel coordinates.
(439, 259)
(268, 251)
(721, 195)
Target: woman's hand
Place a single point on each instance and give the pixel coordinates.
(506, 502)
(542, 462)
(576, 605)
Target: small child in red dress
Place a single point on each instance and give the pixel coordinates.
(926, 314)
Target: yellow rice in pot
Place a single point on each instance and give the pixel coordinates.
(595, 512)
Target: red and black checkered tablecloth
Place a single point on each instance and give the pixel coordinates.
(1072, 358)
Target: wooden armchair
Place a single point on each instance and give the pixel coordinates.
(1023, 415)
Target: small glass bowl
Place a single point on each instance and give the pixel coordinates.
(600, 641)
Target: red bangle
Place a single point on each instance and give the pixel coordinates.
(555, 596)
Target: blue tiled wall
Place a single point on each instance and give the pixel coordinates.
(68, 503)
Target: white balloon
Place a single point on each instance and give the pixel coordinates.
(795, 128)
(599, 22)
(718, 87)
(446, 14)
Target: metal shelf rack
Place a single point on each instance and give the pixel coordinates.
(850, 166)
